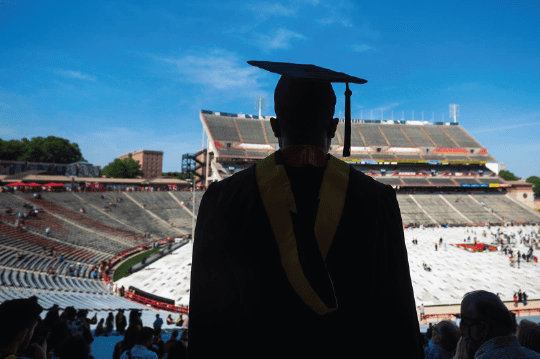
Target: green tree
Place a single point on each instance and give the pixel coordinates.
(39, 149)
(126, 168)
(178, 175)
(507, 175)
(536, 181)
(11, 150)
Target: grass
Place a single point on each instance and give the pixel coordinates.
(121, 271)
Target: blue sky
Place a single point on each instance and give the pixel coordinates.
(116, 77)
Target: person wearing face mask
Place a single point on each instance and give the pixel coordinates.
(487, 329)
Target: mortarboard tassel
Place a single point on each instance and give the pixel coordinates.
(347, 147)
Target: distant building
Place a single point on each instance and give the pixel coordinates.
(82, 169)
(150, 162)
(20, 169)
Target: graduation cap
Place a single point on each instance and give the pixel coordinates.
(312, 73)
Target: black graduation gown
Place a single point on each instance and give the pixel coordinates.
(242, 304)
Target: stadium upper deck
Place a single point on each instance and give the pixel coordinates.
(250, 137)
(402, 154)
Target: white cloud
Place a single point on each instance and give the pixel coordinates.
(362, 48)
(76, 75)
(336, 12)
(335, 18)
(217, 70)
(8, 132)
(470, 86)
(312, 2)
(501, 128)
(276, 9)
(279, 39)
(388, 107)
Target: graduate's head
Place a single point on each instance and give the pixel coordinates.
(304, 112)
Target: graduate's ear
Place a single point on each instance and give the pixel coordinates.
(332, 130)
(275, 127)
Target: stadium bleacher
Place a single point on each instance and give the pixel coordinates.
(83, 240)
(425, 197)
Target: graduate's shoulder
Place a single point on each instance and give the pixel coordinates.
(240, 181)
(367, 186)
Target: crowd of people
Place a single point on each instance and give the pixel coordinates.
(441, 340)
(33, 212)
(452, 225)
(68, 188)
(24, 335)
(531, 240)
(485, 328)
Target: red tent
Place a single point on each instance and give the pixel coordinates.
(53, 185)
(16, 184)
(33, 184)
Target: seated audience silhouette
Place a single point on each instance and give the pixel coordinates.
(487, 329)
(442, 342)
(19, 318)
(140, 349)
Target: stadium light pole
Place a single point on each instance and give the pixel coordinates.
(260, 104)
(454, 111)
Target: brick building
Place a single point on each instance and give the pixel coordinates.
(150, 162)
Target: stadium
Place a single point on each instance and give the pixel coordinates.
(82, 244)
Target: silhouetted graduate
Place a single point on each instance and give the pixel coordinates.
(301, 255)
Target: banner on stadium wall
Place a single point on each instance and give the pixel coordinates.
(433, 162)
(399, 161)
(359, 160)
(494, 185)
(473, 185)
(465, 162)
